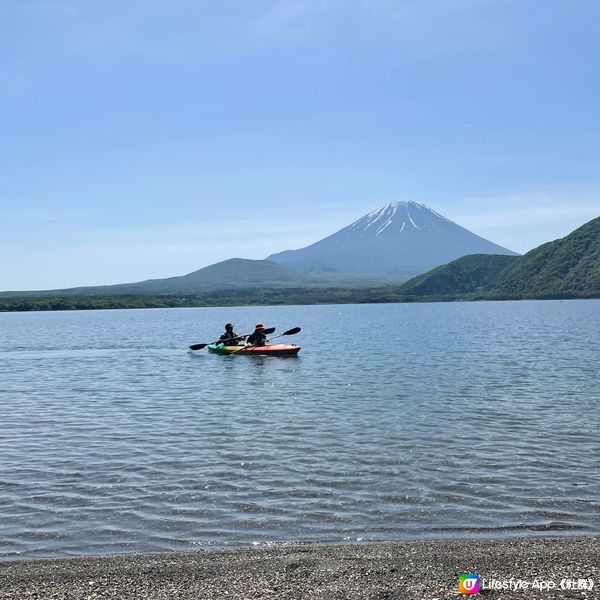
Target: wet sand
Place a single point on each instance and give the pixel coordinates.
(384, 571)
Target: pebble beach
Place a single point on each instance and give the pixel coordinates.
(422, 570)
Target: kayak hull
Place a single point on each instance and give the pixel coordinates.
(269, 350)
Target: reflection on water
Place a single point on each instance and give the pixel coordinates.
(394, 422)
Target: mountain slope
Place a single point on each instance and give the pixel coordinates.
(465, 275)
(565, 268)
(569, 266)
(401, 239)
(235, 272)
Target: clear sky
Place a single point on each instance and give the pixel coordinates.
(149, 138)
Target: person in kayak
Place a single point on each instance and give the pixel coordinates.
(258, 338)
(230, 338)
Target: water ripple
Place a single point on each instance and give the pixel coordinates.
(470, 419)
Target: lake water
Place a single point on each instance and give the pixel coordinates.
(396, 421)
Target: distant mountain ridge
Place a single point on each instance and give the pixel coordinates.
(231, 273)
(401, 239)
(565, 268)
(389, 244)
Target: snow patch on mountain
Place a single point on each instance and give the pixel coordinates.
(403, 238)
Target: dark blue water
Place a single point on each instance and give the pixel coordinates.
(395, 422)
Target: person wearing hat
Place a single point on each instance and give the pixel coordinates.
(230, 338)
(258, 338)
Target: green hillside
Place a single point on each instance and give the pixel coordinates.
(466, 275)
(565, 268)
(568, 267)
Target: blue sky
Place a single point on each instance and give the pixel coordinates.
(149, 138)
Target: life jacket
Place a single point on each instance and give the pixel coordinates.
(229, 338)
(257, 339)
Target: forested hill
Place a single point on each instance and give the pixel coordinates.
(476, 272)
(568, 267)
(565, 268)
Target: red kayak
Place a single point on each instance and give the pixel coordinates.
(268, 350)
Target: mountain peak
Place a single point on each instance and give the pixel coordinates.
(401, 238)
(400, 204)
(391, 208)
(397, 217)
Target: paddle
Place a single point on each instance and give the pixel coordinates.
(292, 331)
(200, 346)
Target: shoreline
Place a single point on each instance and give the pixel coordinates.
(35, 304)
(387, 570)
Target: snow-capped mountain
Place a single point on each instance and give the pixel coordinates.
(400, 238)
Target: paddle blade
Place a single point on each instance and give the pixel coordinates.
(198, 346)
(292, 331)
(269, 331)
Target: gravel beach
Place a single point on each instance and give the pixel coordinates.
(406, 570)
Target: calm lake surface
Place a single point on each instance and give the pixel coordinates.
(396, 421)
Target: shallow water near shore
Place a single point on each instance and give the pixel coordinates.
(396, 421)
